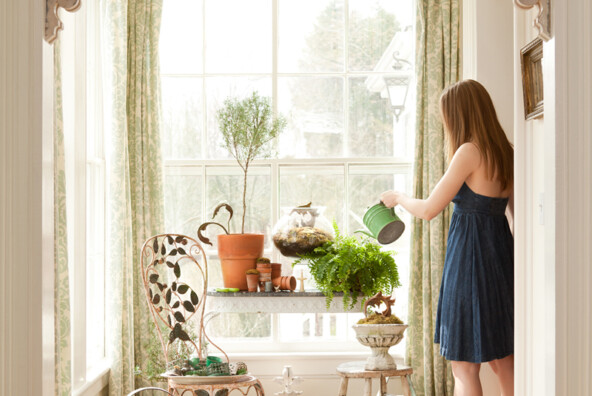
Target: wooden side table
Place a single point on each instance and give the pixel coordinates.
(356, 370)
(225, 389)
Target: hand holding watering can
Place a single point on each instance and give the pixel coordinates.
(383, 224)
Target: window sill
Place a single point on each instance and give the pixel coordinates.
(96, 381)
(277, 302)
(319, 365)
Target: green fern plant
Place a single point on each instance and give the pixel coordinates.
(352, 266)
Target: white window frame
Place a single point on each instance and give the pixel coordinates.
(87, 375)
(200, 166)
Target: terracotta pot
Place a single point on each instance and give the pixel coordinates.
(264, 276)
(276, 273)
(263, 265)
(287, 283)
(252, 282)
(238, 253)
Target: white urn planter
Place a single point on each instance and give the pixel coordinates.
(379, 337)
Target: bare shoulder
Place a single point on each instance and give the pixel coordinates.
(468, 154)
(469, 149)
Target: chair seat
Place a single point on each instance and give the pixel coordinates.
(356, 369)
(243, 387)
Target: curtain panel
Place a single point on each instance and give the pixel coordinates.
(437, 66)
(134, 170)
(62, 334)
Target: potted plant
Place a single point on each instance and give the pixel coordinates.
(352, 266)
(380, 331)
(247, 127)
(252, 280)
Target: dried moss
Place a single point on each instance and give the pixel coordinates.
(380, 319)
(264, 260)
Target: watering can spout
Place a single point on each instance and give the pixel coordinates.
(366, 233)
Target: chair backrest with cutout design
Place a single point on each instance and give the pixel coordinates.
(175, 275)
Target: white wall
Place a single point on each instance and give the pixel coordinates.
(317, 370)
(487, 53)
(488, 58)
(553, 246)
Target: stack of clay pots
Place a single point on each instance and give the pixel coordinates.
(273, 272)
(264, 268)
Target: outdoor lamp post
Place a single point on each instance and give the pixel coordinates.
(397, 86)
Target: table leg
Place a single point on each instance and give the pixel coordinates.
(343, 387)
(405, 384)
(368, 387)
(382, 385)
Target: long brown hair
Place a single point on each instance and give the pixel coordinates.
(469, 116)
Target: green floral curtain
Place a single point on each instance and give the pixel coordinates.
(143, 122)
(62, 337)
(437, 66)
(134, 201)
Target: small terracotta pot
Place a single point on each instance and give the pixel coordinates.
(238, 253)
(287, 283)
(263, 265)
(264, 276)
(252, 282)
(276, 274)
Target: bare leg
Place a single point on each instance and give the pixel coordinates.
(504, 369)
(466, 379)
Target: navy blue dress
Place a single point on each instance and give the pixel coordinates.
(475, 319)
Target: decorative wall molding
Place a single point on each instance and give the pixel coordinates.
(21, 199)
(52, 21)
(543, 19)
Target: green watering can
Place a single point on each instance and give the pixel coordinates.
(383, 224)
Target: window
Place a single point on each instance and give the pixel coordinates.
(328, 67)
(85, 168)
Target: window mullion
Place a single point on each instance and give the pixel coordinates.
(204, 104)
(346, 149)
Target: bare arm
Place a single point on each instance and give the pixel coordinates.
(465, 161)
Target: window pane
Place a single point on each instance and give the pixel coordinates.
(321, 186)
(366, 184)
(372, 26)
(314, 109)
(226, 185)
(311, 35)
(181, 37)
(218, 90)
(370, 121)
(95, 262)
(238, 36)
(245, 325)
(183, 200)
(312, 327)
(182, 118)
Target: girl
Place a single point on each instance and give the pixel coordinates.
(475, 319)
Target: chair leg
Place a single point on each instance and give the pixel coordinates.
(405, 385)
(343, 386)
(382, 385)
(368, 387)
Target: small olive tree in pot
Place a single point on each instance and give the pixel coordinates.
(247, 126)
